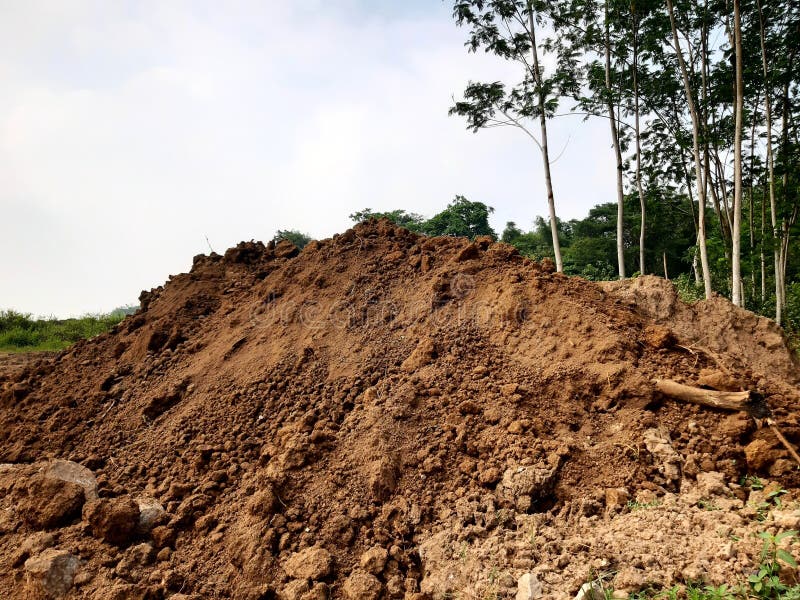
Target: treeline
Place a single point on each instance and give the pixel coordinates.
(702, 104)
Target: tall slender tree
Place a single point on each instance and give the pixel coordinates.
(508, 29)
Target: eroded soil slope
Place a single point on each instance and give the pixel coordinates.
(364, 418)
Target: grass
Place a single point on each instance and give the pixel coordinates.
(20, 332)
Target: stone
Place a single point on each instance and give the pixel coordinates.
(311, 563)
(33, 544)
(617, 498)
(525, 485)
(712, 484)
(163, 536)
(51, 502)
(66, 470)
(760, 454)
(660, 446)
(51, 573)
(528, 587)
(294, 590)
(318, 592)
(263, 503)
(374, 560)
(590, 591)
(361, 586)
(113, 520)
(150, 513)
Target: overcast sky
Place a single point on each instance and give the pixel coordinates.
(131, 131)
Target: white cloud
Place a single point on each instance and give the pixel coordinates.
(129, 132)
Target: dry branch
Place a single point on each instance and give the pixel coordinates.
(724, 400)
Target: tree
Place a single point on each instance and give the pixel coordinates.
(297, 238)
(736, 234)
(409, 220)
(508, 29)
(701, 192)
(461, 218)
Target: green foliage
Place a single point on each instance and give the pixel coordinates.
(298, 238)
(411, 221)
(20, 332)
(766, 583)
(460, 218)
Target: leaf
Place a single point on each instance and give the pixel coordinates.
(785, 534)
(783, 555)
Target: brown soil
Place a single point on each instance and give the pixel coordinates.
(385, 415)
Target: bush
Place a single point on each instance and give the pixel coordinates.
(20, 332)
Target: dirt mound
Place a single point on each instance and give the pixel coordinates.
(365, 417)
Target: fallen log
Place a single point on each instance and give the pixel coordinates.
(749, 402)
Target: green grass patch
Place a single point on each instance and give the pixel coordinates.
(20, 332)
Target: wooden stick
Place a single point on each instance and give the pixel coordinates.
(724, 400)
(774, 426)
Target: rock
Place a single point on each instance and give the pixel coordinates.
(712, 484)
(163, 536)
(590, 591)
(51, 573)
(150, 512)
(660, 446)
(382, 478)
(66, 470)
(294, 590)
(760, 454)
(263, 503)
(361, 586)
(318, 592)
(311, 563)
(528, 587)
(51, 502)
(524, 485)
(113, 520)
(658, 336)
(374, 560)
(617, 498)
(781, 467)
(31, 545)
(136, 557)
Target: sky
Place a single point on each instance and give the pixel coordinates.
(137, 134)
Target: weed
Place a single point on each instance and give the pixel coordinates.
(634, 505)
(707, 505)
(751, 481)
(766, 582)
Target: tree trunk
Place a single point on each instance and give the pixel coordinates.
(639, 189)
(770, 166)
(736, 251)
(551, 203)
(701, 220)
(612, 119)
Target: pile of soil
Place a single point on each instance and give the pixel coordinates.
(385, 415)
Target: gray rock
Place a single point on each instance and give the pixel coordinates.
(528, 587)
(590, 591)
(51, 573)
(66, 470)
(150, 511)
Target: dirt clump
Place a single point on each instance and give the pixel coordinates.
(384, 415)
